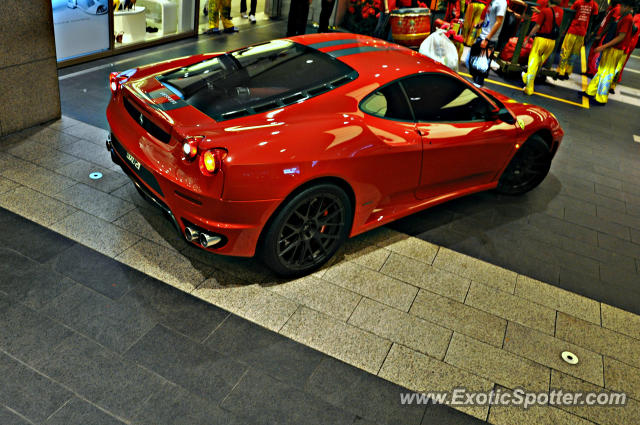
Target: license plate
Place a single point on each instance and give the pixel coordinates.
(133, 161)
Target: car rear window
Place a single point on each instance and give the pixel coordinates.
(257, 78)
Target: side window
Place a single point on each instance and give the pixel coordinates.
(388, 102)
(437, 97)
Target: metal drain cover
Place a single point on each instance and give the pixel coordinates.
(95, 175)
(569, 357)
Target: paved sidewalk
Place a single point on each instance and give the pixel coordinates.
(414, 313)
(86, 340)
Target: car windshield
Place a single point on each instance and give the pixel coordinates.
(256, 78)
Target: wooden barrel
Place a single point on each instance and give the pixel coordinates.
(410, 26)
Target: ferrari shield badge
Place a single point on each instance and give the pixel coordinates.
(520, 122)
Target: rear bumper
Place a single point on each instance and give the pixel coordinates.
(239, 224)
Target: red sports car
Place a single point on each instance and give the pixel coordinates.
(286, 148)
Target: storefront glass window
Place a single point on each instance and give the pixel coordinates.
(81, 27)
(146, 20)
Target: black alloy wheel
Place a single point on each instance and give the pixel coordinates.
(100, 10)
(308, 231)
(527, 169)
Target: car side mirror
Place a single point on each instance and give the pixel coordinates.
(505, 116)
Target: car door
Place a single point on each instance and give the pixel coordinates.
(395, 161)
(463, 145)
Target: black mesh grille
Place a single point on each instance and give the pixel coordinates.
(143, 121)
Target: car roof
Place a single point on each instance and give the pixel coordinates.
(372, 58)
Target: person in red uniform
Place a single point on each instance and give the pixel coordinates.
(546, 32)
(633, 42)
(574, 40)
(612, 53)
(613, 13)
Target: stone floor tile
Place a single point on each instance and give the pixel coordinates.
(362, 253)
(28, 392)
(108, 322)
(27, 334)
(602, 415)
(88, 132)
(269, 309)
(30, 150)
(415, 248)
(96, 154)
(337, 339)
(511, 307)
(425, 276)
(598, 339)
(172, 405)
(369, 283)
(443, 414)
(366, 395)
(29, 282)
(270, 352)
(111, 180)
(459, 317)
(534, 415)
(476, 270)
(319, 295)
(94, 202)
(619, 376)
(6, 185)
(36, 177)
(35, 206)
(11, 417)
(227, 291)
(174, 309)
(496, 365)
(547, 350)
(248, 269)
(620, 321)
(259, 399)
(54, 160)
(558, 299)
(19, 234)
(187, 363)
(421, 373)
(96, 271)
(78, 411)
(152, 225)
(95, 233)
(54, 132)
(403, 328)
(165, 264)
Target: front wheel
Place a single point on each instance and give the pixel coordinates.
(307, 231)
(527, 169)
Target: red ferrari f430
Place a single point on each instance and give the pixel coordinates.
(286, 148)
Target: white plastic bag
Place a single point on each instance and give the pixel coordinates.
(439, 48)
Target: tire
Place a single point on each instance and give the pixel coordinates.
(527, 169)
(307, 231)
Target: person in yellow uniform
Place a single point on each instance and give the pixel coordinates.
(473, 17)
(612, 55)
(546, 31)
(220, 10)
(574, 40)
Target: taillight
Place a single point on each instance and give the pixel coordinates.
(190, 147)
(117, 79)
(211, 161)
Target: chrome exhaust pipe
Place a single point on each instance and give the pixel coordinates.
(191, 234)
(208, 241)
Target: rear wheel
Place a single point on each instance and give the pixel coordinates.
(307, 231)
(527, 169)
